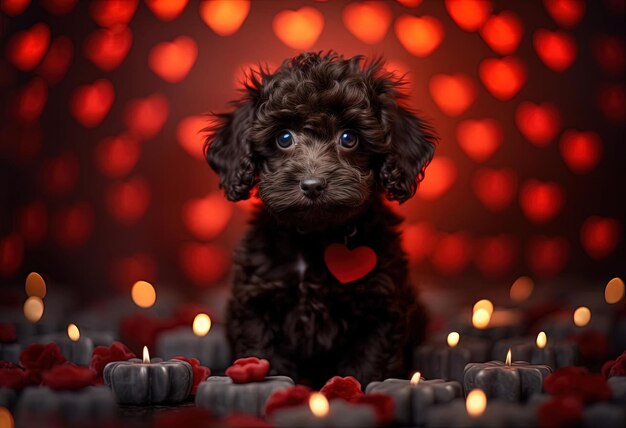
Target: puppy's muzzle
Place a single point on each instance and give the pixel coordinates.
(312, 187)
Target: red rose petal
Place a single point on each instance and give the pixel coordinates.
(200, 372)
(347, 388)
(69, 377)
(250, 369)
(290, 397)
(103, 355)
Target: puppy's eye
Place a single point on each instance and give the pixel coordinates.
(348, 139)
(284, 139)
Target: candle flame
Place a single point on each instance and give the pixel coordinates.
(146, 355)
(614, 291)
(33, 309)
(319, 404)
(521, 289)
(484, 304)
(453, 339)
(476, 402)
(73, 332)
(508, 358)
(542, 340)
(35, 285)
(481, 318)
(415, 379)
(582, 316)
(201, 325)
(143, 294)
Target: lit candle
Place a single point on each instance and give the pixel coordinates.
(539, 350)
(413, 398)
(475, 412)
(447, 362)
(74, 347)
(204, 340)
(512, 381)
(149, 381)
(320, 413)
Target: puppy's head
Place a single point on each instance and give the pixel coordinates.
(319, 137)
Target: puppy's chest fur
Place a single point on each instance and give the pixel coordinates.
(282, 277)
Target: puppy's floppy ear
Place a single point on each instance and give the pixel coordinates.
(229, 153)
(412, 145)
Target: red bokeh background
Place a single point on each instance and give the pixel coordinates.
(103, 181)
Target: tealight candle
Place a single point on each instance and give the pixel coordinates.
(448, 362)
(9, 348)
(539, 351)
(555, 356)
(74, 347)
(475, 411)
(147, 381)
(90, 406)
(511, 381)
(222, 396)
(413, 398)
(203, 341)
(320, 413)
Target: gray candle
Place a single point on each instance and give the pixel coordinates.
(618, 388)
(143, 382)
(8, 398)
(510, 381)
(10, 352)
(475, 412)
(447, 362)
(74, 347)
(319, 413)
(202, 341)
(86, 407)
(9, 348)
(413, 398)
(221, 396)
(538, 351)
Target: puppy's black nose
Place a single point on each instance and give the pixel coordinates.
(312, 187)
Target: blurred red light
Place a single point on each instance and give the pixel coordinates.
(172, 61)
(419, 36)
(469, 14)
(26, 49)
(89, 104)
(581, 151)
(541, 201)
(600, 236)
(502, 77)
(298, 29)
(453, 94)
(479, 138)
(368, 21)
(538, 123)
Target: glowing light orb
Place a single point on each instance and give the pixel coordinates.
(319, 404)
(33, 309)
(143, 294)
(453, 339)
(73, 332)
(35, 285)
(521, 289)
(476, 402)
(614, 291)
(582, 316)
(201, 325)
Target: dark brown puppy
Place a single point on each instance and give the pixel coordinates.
(325, 139)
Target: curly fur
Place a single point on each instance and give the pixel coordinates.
(286, 306)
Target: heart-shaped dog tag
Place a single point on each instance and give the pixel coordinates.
(349, 265)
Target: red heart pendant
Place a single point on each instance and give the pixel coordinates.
(349, 265)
